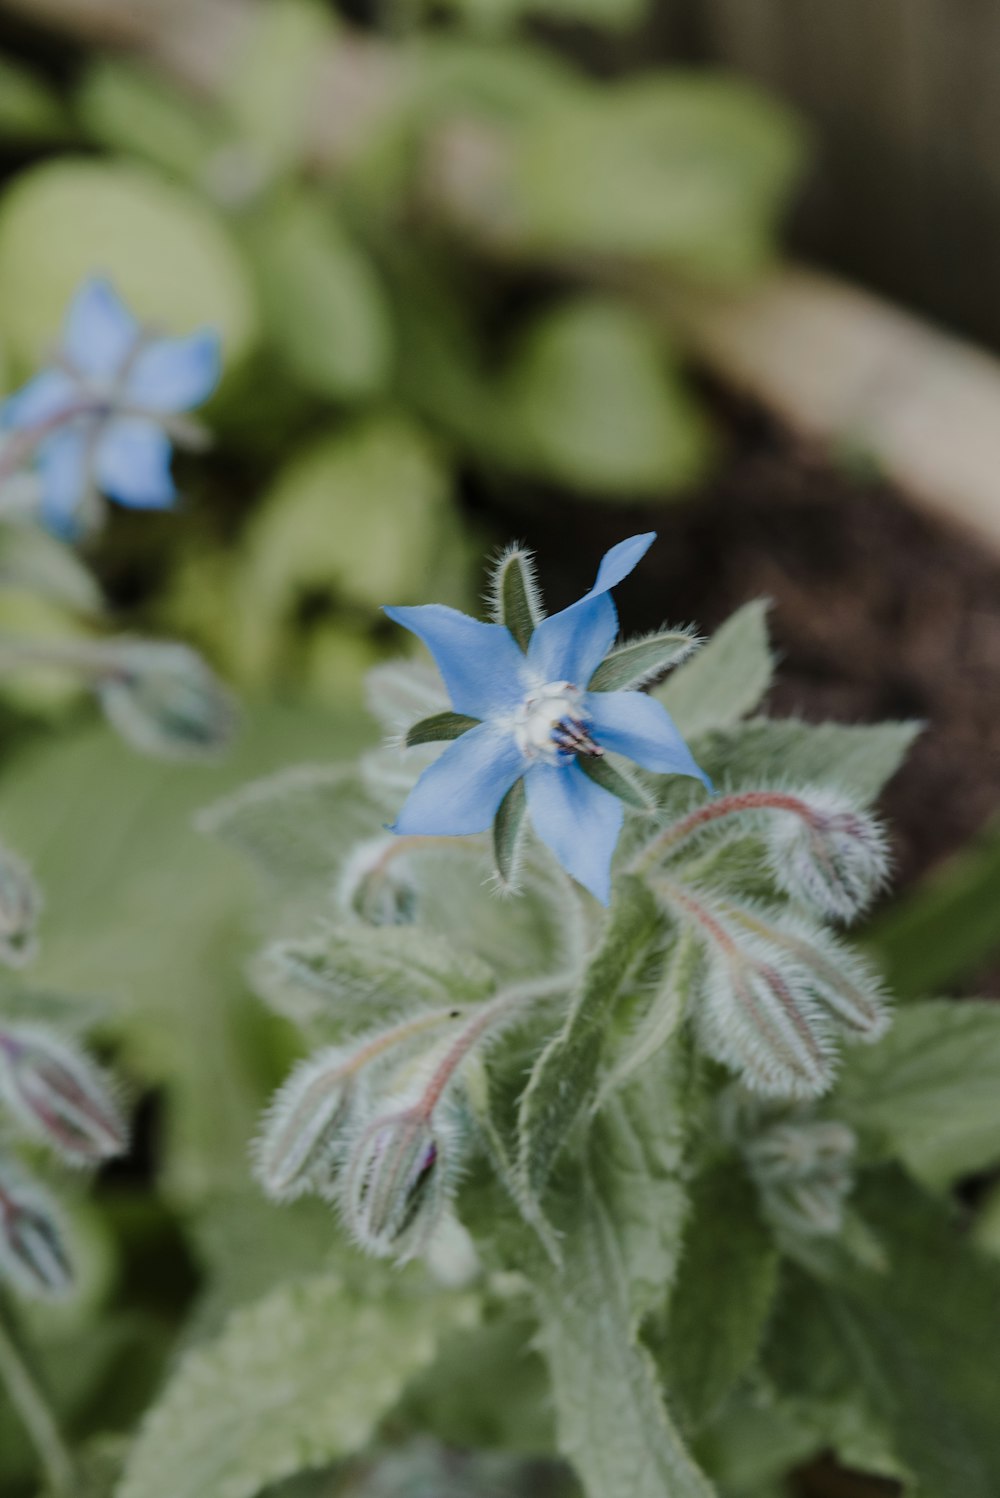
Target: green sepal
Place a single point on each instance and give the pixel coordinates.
(636, 662)
(439, 726)
(516, 602)
(617, 782)
(507, 831)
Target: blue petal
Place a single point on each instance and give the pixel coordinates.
(62, 470)
(174, 374)
(132, 464)
(635, 725)
(570, 646)
(40, 400)
(481, 664)
(100, 331)
(461, 792)
(579, 820)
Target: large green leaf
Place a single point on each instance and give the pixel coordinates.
(691, 170)
(325, 308)
(144, 913)
(724, 1291)
(293, 1381)
(128, 107)
(169, 255)
(929, 1091)
(601, 405)
(726, 679)
(856, 758)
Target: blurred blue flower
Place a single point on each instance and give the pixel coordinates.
(103, 418)
(537, 719)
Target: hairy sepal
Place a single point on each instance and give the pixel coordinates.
(636, 663)
(439, 728)
(515, 600)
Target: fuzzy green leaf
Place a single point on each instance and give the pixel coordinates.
(515, 595)
(728, 677)
(619, 782)
(724, 1291)
(635, 662)
(858, 758)
(294, 1381)
(664, 1012)
(439, 728)
(929, 1091)
(564, 1077)
(354, 975)
(507, 831)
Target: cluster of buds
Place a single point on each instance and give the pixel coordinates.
(378, 1128)
(55, 1094)
(803, 1169)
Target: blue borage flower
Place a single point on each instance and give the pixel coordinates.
(104, 415)
(533, 718)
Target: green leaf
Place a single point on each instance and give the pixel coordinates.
(355, 975)
(857, 758)
(611, 1420)
(322, 299)
(723, 1295)
(439, 728)
(618, 781)
(942, 931)
(929, 1091)
(685, 169)
(169, 255)
(29, 110)
(564, 1078)
(35, 561)
(918, 1341)
(728, 677)
(636, 662)
(132, 109)
(269, 91)
(507, 830)
(296, 1380)
(602, 407)
(515, 595)
(664, 1012)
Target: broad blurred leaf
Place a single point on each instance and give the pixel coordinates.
(132, 109)
(32, 560)
(690, 170)
(293, 1381)
(858, 758)
(943, 929)
(929, 1091)
(726, 679)
(166, 251)
(358, 517)
(270, 89)
(324, 306)
(601, 404)
(29, 109)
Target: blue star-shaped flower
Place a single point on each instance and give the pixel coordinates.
(102, 417)
(539, 719)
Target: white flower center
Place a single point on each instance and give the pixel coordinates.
(551, 724)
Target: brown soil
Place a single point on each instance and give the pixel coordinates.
(879, 611)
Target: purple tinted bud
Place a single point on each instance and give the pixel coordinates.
(397, 1185)
(833, 857)
(32, 1249)
(300, 1146)
(58, 1094)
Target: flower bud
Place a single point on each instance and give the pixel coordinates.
(803, 1169)
(397, 1185)
(32, 1249)
(760, 1017)
(58, 1094)
(834, 858)
(300, 1147)
(844, 981)
(164, 700)
(20, 906)
(377, 887)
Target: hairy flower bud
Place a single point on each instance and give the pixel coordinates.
(20, 906)
(164, 700)
(803, 1168)
(58, 1094)
(375, 884)
(397, 1185)
(301, 1145)
(833, 857)
(32, 1249)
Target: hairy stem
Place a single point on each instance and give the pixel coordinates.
(34, 1411)
(726, 806)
